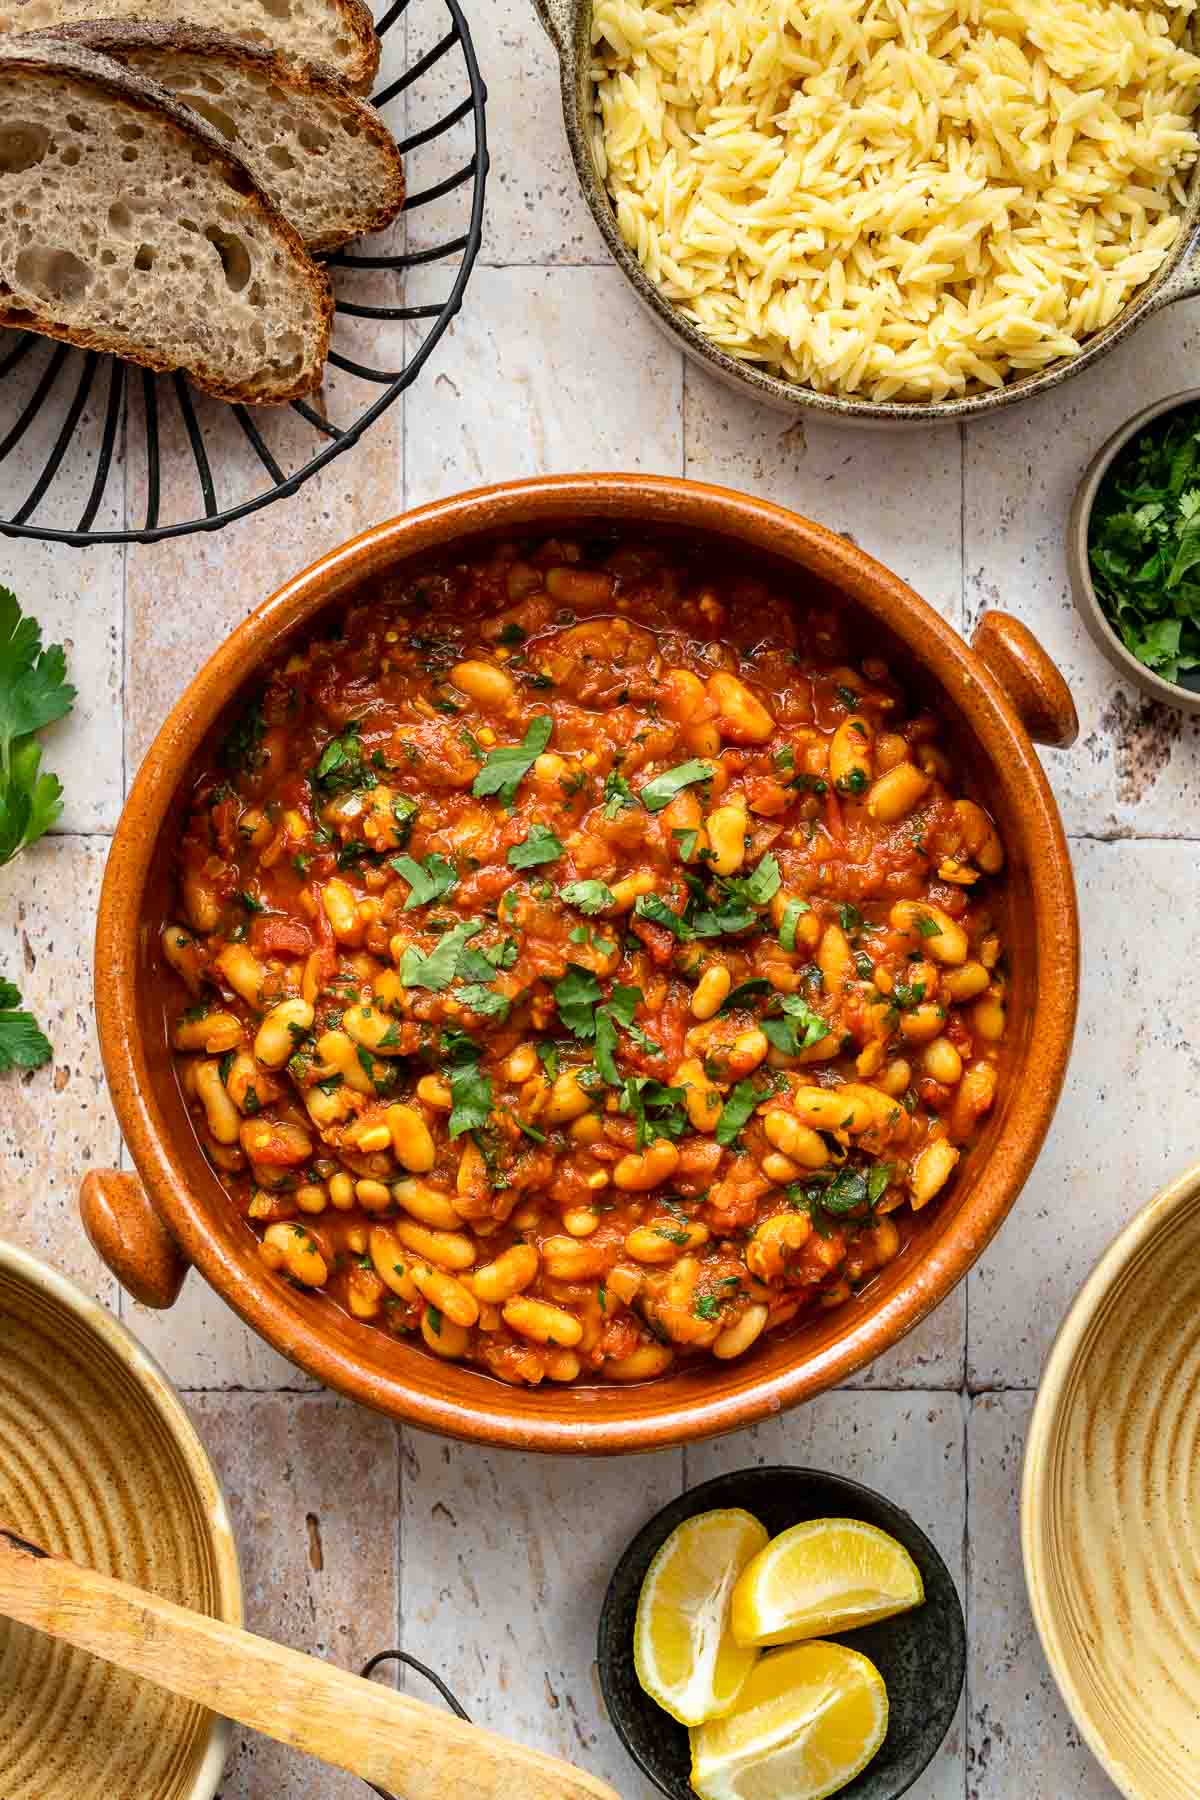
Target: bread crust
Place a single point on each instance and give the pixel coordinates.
(119, 38)
(358, 24)
(41, 54)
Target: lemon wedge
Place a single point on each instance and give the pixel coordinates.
(825, 1576)
(683, 1649)
(807, 1721)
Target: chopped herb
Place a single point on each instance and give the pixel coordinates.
(707, 1306)
(927, 927)
(512, 634)
(642, 1096)
(435, 1320)
(663, 788)
(906, 995)
(576, 995)
(34, 692)
(540, 846)
(430, 880)
(548, 1057)
(340, 766)
(251, 904)
(504, 769)
(849, 918)
(589, 896)
(792, 914)
(853, 783)
(437, 969)
(1144, 544)
(799, 1029)
(404, 811)
(617, 795)
(241, 751)
(687, 837)
(649, 906)
(736, 1112)
(784, 760)
(878, 1182)
(483, 1000)
(848, 698)
(22, 1044)
(471, 1091)
(744, 993)
(531, 1131)
(762, 884)
(672, 1234)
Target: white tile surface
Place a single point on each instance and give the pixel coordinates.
(493, 1566)
(1022, 1742)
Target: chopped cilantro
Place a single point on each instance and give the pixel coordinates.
(430, 880)
(660, 791)
(617, 795)
(589, 896)
(792, 914)
(505, 768)
(736, 1112)
(483, 1000)
(437, 969)
(576, 996)
(540, 846)
(471, 1091)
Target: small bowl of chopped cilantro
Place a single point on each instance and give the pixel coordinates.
(1134, 550)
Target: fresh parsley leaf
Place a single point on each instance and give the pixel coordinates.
(878, 1182)
(617, 794)
(22, 1043)
(800, 1028)
(438, 968)
(471, 1092)
(540, 846)
(792, 914)
(404, 811)
(846, 1193)
(340, 766)
(642, 1096)
(744, 992)
(576, 996)
(606, 1046)
(927, 927)
(589, 896)
(784, 761)
(505, 768)
(849, 918)
(687, 837)
(483, 1000)
(706, 1306)
(660, 791)
(650, 906)
(548, 1057)
(623, 1002)
(34, 692)
(430, 880)
(736, 1112)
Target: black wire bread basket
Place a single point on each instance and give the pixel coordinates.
(94, 450)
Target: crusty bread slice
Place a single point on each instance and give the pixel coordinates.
(324, 155)
(127, 224)
(339, 33)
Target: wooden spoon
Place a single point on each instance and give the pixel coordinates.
(399, 1744)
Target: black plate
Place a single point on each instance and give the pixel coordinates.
(922, 1655)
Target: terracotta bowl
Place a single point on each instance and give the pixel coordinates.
(98, 1462)
(1110, 1503)
(995, 697)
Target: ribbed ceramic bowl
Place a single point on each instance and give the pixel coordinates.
(98, 1462)
(1110, 1503)
(1186, 696)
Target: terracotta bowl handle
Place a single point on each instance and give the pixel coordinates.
(1032, 682)
(127, 1234)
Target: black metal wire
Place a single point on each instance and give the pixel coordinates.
(335, 434)
(410, 1662)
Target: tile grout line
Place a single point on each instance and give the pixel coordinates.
(968, 1608)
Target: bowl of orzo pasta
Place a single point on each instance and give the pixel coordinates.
(889, 210)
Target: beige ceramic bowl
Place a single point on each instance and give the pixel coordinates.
(99, 1462)
(1185, 696)
(1110, 1503)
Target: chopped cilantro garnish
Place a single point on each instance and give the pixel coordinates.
(792, 914)
(430, 880)
(471, 1091)
(617, 795)
(660, 791)
(736, 1112)
(438, 968)
(589, 896)
(540, 846)
(483, 1000)
(505, 768)
(576, 996)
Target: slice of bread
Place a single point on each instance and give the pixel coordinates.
(324, 156)
(338, 33)
(128, 225)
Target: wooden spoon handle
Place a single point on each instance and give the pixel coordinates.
(400, 1744)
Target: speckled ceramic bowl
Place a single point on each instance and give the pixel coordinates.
(1110, 1503)
(1186, 694)
(99, 1462)
(922, 1655)
(994, 695)
(569, 23)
